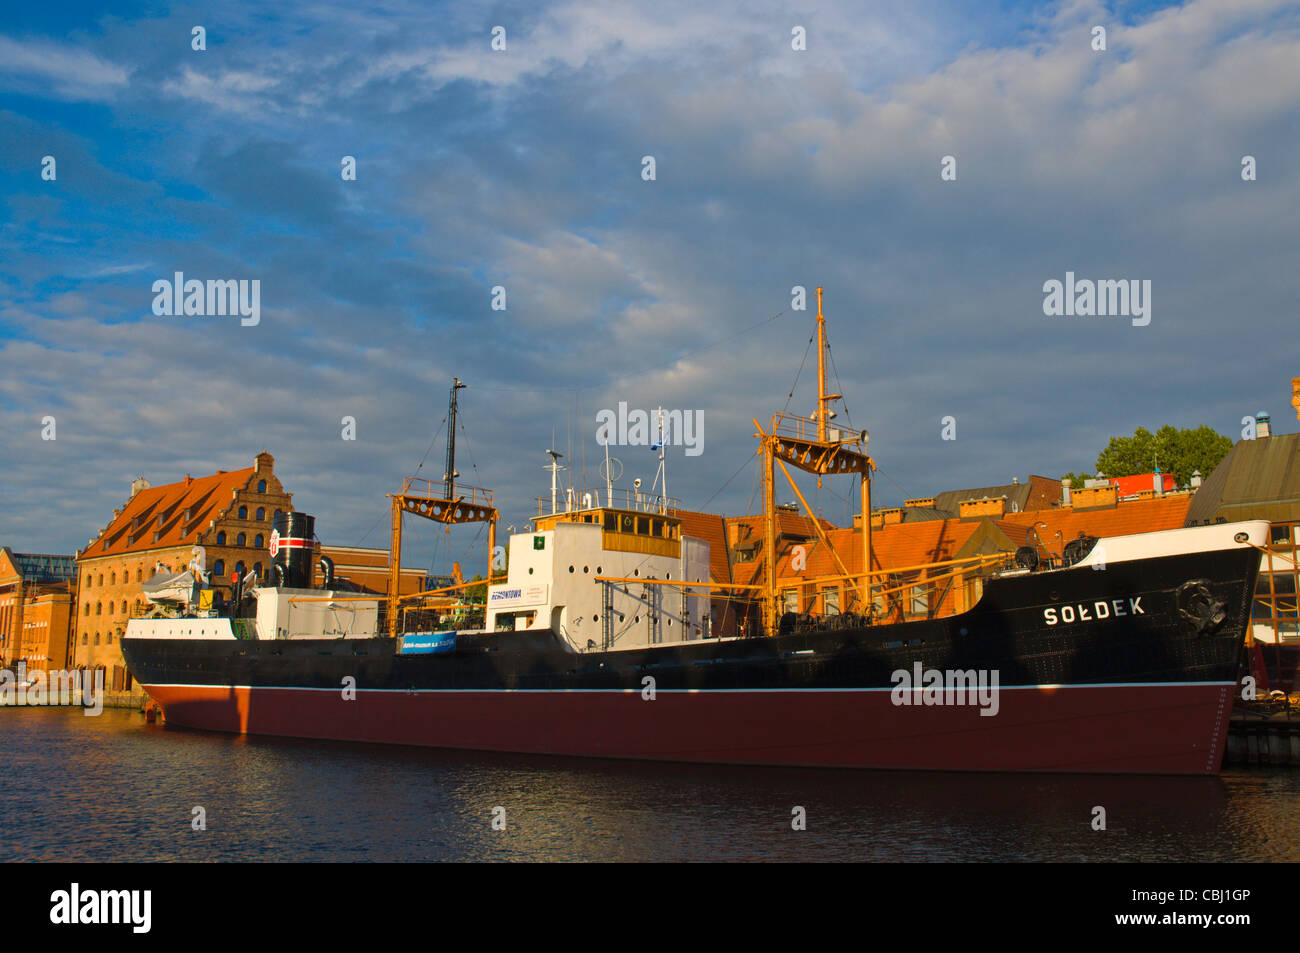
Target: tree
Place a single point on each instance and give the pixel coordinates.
(1076, 479)
(1176, 451)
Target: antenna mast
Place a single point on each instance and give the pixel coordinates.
(450, 474)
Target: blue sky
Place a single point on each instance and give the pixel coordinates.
(522, 168)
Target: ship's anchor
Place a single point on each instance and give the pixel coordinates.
(1199, 607)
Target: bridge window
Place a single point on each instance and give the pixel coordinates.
(611, 522)
(642, 525)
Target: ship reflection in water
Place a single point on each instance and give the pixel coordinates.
(114, 788)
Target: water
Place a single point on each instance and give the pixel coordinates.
(115, 788)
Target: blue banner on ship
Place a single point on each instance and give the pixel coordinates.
(428, 643)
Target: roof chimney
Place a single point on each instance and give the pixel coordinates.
(1066, 484)
(1261, 424)
(1196, 479)
(1157, 482)
(138, 484)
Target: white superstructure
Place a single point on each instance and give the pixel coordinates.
(591, 575)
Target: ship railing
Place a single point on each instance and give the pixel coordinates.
(798, 427)
(575, 501)
(421, 489)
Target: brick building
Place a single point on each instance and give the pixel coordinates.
(36, 597)
(228, 514)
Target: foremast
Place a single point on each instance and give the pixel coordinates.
(811, 445)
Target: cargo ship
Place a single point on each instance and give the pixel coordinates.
(602, 639)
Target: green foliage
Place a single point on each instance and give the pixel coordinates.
(1177, 451)
(476, 594)
(1076, 479)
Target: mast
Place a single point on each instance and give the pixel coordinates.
(555, 468)
(822, 399)
(450, 474)
(809, 444)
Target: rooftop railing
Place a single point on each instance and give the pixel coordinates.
(437, 490)
(798, 427)
(575, 501)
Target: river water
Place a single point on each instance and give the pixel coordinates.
(112, 787)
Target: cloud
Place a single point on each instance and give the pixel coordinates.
(44, 68)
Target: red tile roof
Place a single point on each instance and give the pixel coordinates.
(710, 528)
(205, 499)
(1124, 519)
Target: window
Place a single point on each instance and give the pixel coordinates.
(831, 600)
(241, 540)
(261, 513)
(84, 637)
(124, 609)
(656, 527)
(112, 579)
(643, 525)
(257, 540)
(243, 512)
(108, 638)
(627, 524)
(101, 578)
(99, 608)
(789, 600)
(257, 570)
(261, 486)
(96, 638)
(221, 538)
(219, 568)
(139, 575)
(611, 522)
(239, 568)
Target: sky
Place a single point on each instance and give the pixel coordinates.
(524, 169)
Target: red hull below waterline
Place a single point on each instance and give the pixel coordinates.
(1123, 729)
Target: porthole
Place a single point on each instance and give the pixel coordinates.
(570, 569)
(636, 572)
(530, 570)
(586, 569)
(595, 618)
(599, 570)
